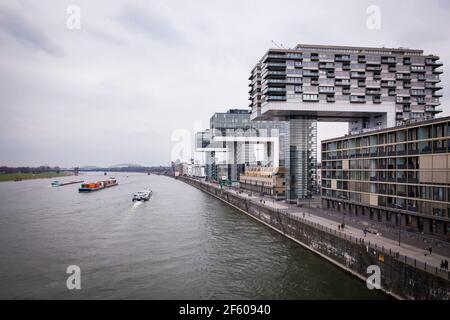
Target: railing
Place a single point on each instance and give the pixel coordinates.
(357, 240)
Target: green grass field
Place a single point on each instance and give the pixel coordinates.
(27, 176)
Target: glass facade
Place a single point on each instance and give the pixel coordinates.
(248, 143)
(303, 156)
(404, 170)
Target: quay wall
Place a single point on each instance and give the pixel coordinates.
(401, 276)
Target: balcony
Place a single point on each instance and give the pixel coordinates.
(276, 98)
(388, 76)
(374, 68)
(294, 80)
(326, 65)
(433, 86)
(343, 83)
(373, 84)
(433, 62)
(373, 60)
(310, 65)
(373, 92)
(342, 58)
(389, 60)
(404, 69)
(358, 75)
(358, 67)
(403, 76)
(310, 89)
(327, 90)
(310, 98)
(433, 109)
(389, 84)
(417, 92)
(310, 73)
(403, 92)
(274, 56)
(276, 74)
(432, 101)
(418, 69)
(274, 90)
(432, 78)
(342, 75)
(276, 65)
(292, 55)
(357, 99)
(276, 81)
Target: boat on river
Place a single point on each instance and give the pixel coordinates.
(142, 195)
(99, 185)
(60, 184)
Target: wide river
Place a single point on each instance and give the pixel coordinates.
(182, 244)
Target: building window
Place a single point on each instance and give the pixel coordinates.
(310, 97)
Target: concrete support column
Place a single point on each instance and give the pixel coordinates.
(303, 155)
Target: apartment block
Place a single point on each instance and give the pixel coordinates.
(234, 142)
(265, 180)
(398, 175)
(369, 88)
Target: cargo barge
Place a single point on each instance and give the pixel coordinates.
(60, 184)
(95, 186)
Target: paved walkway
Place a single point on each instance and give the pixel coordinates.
(412, 252)
(388, 244)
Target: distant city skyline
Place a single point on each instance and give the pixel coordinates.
(115, 90)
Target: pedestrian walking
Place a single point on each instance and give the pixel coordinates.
(339, 227)
(446, 264)
(430, 249)
(365, 232)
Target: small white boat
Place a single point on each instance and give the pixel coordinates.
(142, 195)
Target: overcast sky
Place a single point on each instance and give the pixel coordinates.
(115, 90)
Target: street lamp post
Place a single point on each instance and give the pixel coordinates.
(399, 227)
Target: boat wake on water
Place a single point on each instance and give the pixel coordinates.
(135, 206)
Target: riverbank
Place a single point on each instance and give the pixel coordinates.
(402, 276)
(30, 176)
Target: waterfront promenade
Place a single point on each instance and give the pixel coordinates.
(413, 255)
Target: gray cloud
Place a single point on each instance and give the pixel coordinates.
(114, 91)
(151, 23)
(26, 31)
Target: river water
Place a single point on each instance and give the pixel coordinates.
(182, 244)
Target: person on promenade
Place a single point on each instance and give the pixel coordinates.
(446, 264)
(431, 250)
(365, 232)
(339, 227)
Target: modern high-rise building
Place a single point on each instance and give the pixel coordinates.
(399, 175)
(369, 88)
(234, 142)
